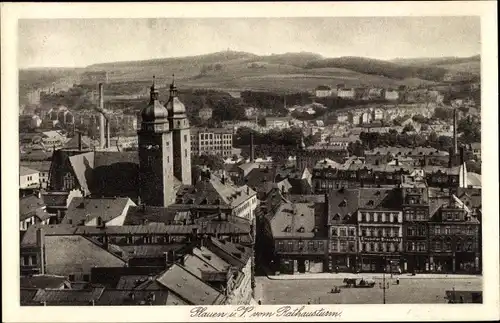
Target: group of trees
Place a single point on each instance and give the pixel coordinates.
(470, 130)
(371, 140)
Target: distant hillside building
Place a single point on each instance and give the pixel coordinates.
(323, 91)
(205, 113)
(391, 95)
(345, 93)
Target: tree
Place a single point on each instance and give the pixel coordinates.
(214, 162)
(408, 128)
(471, 130)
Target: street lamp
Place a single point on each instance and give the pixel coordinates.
(383, 286)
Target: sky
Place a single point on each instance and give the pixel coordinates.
(82, 42)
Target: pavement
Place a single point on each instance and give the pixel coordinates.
(308, 276)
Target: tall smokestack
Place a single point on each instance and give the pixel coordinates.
(79, 141)
(108, 140)
(455, 121)
(252, 150)
(102, 139)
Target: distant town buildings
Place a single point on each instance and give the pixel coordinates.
(216, 141)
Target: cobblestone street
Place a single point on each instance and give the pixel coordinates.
(412, 290)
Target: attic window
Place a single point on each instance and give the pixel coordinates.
(302, 214)
(204, 201)
(343, 203)
(81, 205)
(370, 202)
(288, 229)
(377, 193)
(336, 216)
(301, 230)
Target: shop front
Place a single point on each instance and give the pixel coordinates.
(342, 262)
(417, 262)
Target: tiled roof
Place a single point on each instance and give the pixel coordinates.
(116, 297)
(27, 295)
(197, 265)
(86, 209)
(40, 166)
(128, 282)
(293, 221)
(149, 250)
(55, 199)
(28, 206)
(43, 281)
(24, 171)
(213, 192)
(342, 204)
(169, 215)
(378, 198)
(211, 258)
(473, 179)
(73, 143)
(403, 151)
(189, 287)
(68, 296)
(235, 254)
(82, 164)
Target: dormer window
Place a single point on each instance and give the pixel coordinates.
(370, 202)
(288, 229)
(343, 203)
(301, 230)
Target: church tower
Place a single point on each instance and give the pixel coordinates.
(181, 137)
(155, 154)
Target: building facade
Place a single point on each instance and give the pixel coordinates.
(212, 141)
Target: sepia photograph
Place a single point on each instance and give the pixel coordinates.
(206, 161)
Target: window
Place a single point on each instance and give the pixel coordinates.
(363, 247)
(437, 230)
(290, 246)
(310, 245)
(33, 261)
(383, 217)
(372, 246)
(343, 232)
(468, 246)
(447, 246)
(333, 246)
(185, 138)
(372, 232)
(380, 233)
(352, 232)
(458, 246)
(320, 245)
(86, 278)
(301, 245)
(334, 232)
(447, 230)
(363, 232)
(409, 232)
(185, 152)
(352, 246)
(375, 217)
(396, 247)
(281, 245)
(343, 246)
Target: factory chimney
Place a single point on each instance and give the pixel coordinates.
(252, 149)
(102, 139)
(455, 121)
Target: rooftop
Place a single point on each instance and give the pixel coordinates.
(86, 209)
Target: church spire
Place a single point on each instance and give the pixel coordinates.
(173, 88)
(154, 91)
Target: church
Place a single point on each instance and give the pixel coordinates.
(152, 175)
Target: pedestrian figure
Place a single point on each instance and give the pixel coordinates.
(337, 269)
(397, 281)
(260, 303)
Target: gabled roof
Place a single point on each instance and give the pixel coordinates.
(25, 171)
(74, 144)
(236, 255)
(116, 297)
(86, 209)
(30, 206)
(342, 205)
(168, 215)
(293, 221)
(68, 296)
(43, 281)
(182, 282)
(211, 258)
(213, 192)
(378, 198)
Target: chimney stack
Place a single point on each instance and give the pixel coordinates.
(102, 125)
(79, 141)
(455, 121)
(108, 140)
(252, 150)
(40, 242)
(462, 155)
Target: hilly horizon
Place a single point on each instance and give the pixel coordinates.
(295, 71)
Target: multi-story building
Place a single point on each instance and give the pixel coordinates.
(454, 236)
(416, 228)
(216, 141)
(28, 178)
(345, 93)
(380, 228)
(421, 155)
(323, 91)
(278, 122)
(391, 95)
(308, 157)
(342, 205)
(300, 241)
